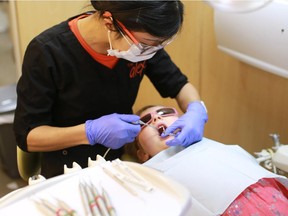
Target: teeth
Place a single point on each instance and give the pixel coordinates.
(161, 129)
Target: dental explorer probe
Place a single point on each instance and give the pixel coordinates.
(143, 123)
(149, 125)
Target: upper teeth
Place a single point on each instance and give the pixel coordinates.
(161, 129)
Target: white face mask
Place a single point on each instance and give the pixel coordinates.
(133, 54)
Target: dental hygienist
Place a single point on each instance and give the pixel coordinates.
(81, 77)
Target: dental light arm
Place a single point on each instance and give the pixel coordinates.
(237, 6)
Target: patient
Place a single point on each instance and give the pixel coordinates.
(222, 179)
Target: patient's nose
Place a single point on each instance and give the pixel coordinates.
(157, 117)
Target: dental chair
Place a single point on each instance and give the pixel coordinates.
(29, 163)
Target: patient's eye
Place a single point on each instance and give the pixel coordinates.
(146, 118)
(165, 111)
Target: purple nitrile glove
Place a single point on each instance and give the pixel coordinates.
(191, 125)
(112, 131)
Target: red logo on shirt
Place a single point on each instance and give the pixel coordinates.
(136, 68)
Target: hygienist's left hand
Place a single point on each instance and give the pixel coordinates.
(191, 125)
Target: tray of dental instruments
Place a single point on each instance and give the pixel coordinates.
(108, 188)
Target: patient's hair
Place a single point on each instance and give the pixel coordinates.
(130, 151)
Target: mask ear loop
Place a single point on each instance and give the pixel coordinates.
(109, 38)
(107, 14)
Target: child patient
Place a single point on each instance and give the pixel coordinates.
(222, 179)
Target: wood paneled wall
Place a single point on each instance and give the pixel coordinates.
(245, 104)
(34, 17)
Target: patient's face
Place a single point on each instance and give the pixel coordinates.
(149, 137)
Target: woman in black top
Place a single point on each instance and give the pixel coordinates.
(80, 79)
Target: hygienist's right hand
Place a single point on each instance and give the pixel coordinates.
(112, 131)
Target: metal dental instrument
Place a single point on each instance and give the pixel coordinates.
(53, 209)
(143, 123)
(108, 204)
(118, 177)
(94, 208)
(99, 200)
(85, 199)
(67, 208)
(174, 133)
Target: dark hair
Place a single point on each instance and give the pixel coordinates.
(159, 18)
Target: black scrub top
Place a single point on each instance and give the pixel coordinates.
(62, 85)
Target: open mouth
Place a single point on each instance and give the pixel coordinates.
(161, 129)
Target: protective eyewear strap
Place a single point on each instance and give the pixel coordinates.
(143, 48)
(126, 31)
(124, 36)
